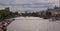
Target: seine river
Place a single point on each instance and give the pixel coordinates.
(33, 24)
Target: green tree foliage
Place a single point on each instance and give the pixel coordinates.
(4, 14)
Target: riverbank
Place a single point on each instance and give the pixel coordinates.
(5, 23)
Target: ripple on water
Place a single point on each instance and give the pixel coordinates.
(34, 24)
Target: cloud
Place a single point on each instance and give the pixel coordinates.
(34, 5)
(29, 3)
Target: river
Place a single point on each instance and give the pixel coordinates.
(33, 24)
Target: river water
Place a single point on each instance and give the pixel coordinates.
(33, 24)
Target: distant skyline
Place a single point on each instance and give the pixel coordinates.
(28, 4)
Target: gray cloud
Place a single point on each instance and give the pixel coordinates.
(29, 3)
(34, 5)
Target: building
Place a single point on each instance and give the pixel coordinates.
(54, 12)
(7, 9)
(50, 12)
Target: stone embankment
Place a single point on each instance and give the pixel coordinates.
(5, 23)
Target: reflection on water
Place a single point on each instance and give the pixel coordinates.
(33, 24)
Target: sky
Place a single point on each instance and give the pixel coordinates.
(28, 4)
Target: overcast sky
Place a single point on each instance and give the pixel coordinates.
(29, 3)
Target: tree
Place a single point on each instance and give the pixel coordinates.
(4, 14)
(48, 13)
